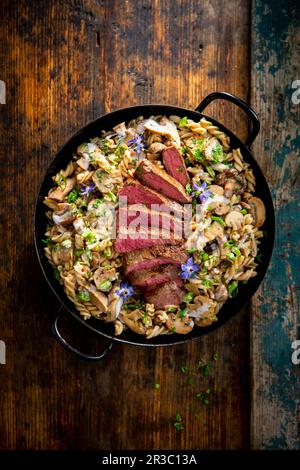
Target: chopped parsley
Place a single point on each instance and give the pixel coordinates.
(89, 236)
(198, 155)
(203, 396)
(178, 425)
(46, 241)
(188, 297)
(217, 152)
(203, 256)
(183, 312)
(244, 211)
(183, 369)
(83, 296)
(73, 195)
(188, 188)
(171, 309)
(156, 386)
(97, 203)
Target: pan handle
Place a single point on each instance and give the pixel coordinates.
(71, 348)
(223, 95)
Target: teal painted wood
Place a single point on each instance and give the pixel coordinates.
(275, 314)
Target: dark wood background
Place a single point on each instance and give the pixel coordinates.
(65, 63)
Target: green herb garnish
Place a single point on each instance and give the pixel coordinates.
(188, 297)
(83, 296)
(183, 122)
(172, 309)
(178, 425)
(46, 241)
(112, 196)
(244, 211)
(232, 288)
(210, 171)
(219, 220)
(188, 188)
(73, 195)
(156, 386)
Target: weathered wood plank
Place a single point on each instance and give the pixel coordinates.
(64, 64)
(275, 312)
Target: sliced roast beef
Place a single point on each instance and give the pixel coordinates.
(154, 177)
(146, 278)
(170, 293)
(152, 257)
(175, 165)
(136, 193)
(143, 237)
(139, 215)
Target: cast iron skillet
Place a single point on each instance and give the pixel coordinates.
(107, 122)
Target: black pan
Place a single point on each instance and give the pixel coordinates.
(108, 121)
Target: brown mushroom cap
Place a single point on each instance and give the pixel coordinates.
(235, 220)
(182, 326)
(257, 210)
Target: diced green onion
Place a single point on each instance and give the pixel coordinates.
(183, 122)
(219, 220)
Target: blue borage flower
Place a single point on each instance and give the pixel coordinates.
(201, 192)
(86, 190)
(125, 291)
(189, 269)
(137, 143)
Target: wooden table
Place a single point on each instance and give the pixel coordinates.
(64, 64)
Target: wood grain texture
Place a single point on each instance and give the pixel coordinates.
(275, 420)
(65, 63)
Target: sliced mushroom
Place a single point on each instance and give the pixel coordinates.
(215, 230)
(156, 147)
(257, 210)
(98, 299)
(219, 208)
(58, 193)
(203, 309)
(50, 203)
(223, 250)
(86, 149)
(232, 181)
(133, 320)
(79, 225)
(103, 181)
(62, 254)
(215, 189)
(102, 275)
(115, 303)
(166, 128)
(234, 220)
(182, 326)
(64, 214)
(221, 293)
(120, 129)
(83, 162)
